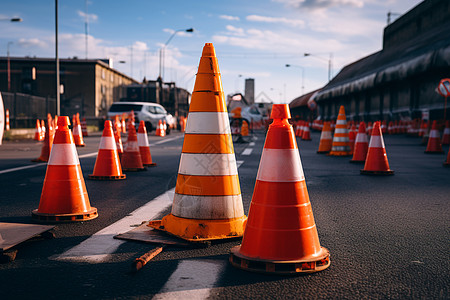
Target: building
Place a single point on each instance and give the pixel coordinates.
(250, 90)
(399, 81)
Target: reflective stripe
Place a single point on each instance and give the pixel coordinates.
(132, 146)
(208, 122)
(361, 138)
(207, 164)
(341, 122)
(107, 143)
(326, 135)
(376, 141)
(208, 143)
(340, 148)
(76, 130)
(340, 139)
(142, 140)
(280, 165)
(221, 185)
(207, 207)
(63, 154)
(447, 131)
(435, 134)
(341, 130)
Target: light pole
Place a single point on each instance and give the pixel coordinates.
(329, 60)
(12, 19)
(303, 75)
(163, 48)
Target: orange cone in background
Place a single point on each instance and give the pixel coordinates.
(118, 139)
(124, 125)
(446, 135)
(244, 129)
(117, 124)
(7, 127)
(43, 129)
(281, 235)
(131, 157)
(84, 127)
(144, 147)
(361, 145)
(159, 129)
(434, 140)
(207, 204)
(447, 162)
(352, 137)
(46, 147)
(64, 196)
(38, 132)
(376, 160)
(383, 127)
(164, 127)
(325, 138)
(306, 136)
(107, 166)
(426, 133)
(77, 134)
(340, 145)
(370, 127)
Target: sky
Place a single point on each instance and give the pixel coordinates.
(252, 38)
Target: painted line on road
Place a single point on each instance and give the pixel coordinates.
(22, 168)
(251, 144)
(167, 140)
(247, 151)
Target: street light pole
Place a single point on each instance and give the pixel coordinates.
(303, 75)
(330, 63)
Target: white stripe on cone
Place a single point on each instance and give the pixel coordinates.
(376, 141)
(132, 146)
(326, 135)
(142, 140)
(208, 123)
(76, 130)
(340, 130)
(207, 207)
(341, 122)
(107, 143)
(63, 154)
(207, 164)
(434, 134)
(361, 138)
(280, 165)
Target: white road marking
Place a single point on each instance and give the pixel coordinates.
(239, 163)
(167, 140)
(247, 151)
(99, 246)
(251, 144)
(22, 168)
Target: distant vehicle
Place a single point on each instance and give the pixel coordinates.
(250, 114)
(151, 113)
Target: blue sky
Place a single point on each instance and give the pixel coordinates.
(253, 39)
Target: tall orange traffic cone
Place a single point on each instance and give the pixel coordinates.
(64, 196)
(46, 147)
(446, 135)
(361, 145)
(118, 139)
(144, 147)
(207, 204)
(281, 235)
(131, 157)
(84, 128)
(159, 129)
(77, 134)
(351, 137)
(107, 166)
(38, 132)
(340, 146)
(325, 139)
(434, 140)
(306, 136)
(376, 160)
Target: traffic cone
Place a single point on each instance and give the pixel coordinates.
(434, 140)
(426, 133)
(7, 127)
(298, 129)
(446, 135)
(107, 166)
(340, 145)
(376, 160)
(370, 127)
(351, 137)
(280, 236)
(325, 139)
(77, 134)
(43, 129)
(361, 145)
(159, 129)
(124, 125)
(164, 128)
(207, 204)
(84, 128)
(117, 124)
(118, 139)
(306, 136)
(46, 147)
(144, 147)
(447, 162)
(131, 157)
(64, 196)
(38, 132)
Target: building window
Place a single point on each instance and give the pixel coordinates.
(111, 77)
(103, 74)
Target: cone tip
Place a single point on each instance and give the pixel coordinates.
(208, 50)
(108, 124)
(63, 121)
(280, 111)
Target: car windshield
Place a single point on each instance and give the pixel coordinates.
(125, 107)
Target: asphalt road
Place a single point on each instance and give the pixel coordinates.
(388, 236)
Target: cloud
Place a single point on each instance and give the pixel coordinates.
(321, 4)
(264, 19)
(229, 18)
(32, 43)
(235, 30)
(92, 18)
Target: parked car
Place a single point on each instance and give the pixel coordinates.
(151, 113)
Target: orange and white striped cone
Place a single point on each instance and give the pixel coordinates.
(64, 196)
(107, 165)
(7, 126)
(434, 140)
(361, 145)
(207, 204)
(77, 134)
(131, 157)
(144, 147)
(426, 133)
(38, 132)
(306, 135)
(118, 139)
(281, 235)
(298, 129)
(376, 160)
(124, 124)
(84, 128)
(352, 137)
(446, 135)
(43, 129)
(383, 127)
(117, 124)
(326, 139)
(159, 129)
(46, 147)
(164, 127)
(340, 145)
(370, 128)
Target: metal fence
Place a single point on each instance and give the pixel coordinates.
(25, 109)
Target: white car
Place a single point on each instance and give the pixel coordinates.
(151, 113)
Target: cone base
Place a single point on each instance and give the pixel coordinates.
(39, 160)
(134, 169)
(357, 161)
(96, 177)
(340, 153)
(446, 164)
(64, 218)
(197, 230)
(150, 165)
(368, 172)
(277, 266)
(434, 152)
